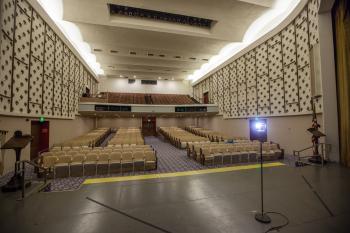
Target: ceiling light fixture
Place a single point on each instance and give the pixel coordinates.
(260, 27)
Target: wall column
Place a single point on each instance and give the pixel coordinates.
(328, 78)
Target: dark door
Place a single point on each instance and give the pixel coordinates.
(40, 133)
(206, 98)
(149, 126)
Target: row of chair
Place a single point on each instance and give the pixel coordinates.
(107, 149)
(214, 136)
(92, 138)
(146, 158)
(128, 136)
(180, 137)
(239, 152)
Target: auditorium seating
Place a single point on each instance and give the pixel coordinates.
(140, 157)
(213, 136)
(236, 152)
(127, 136)
(140, 98)
(171, 99)
(180, 137)
(92, 138)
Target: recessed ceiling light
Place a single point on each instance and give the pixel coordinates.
(114, 51)
(177, 57)
(120, 76)
(159, 77)
(132, 53)
(134, 76)
(150, 54)
(161, 55)
(193, 58)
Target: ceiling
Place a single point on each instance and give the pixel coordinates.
(151, 49)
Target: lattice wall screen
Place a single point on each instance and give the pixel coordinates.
(39, 75)
(271, 79)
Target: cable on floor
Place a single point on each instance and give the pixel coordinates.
(129, 216)
(279, 227)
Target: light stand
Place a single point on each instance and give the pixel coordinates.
(262, 216)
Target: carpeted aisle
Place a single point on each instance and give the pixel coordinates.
(170, 158)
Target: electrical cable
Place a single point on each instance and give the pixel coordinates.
(129, 216)
(279, 227)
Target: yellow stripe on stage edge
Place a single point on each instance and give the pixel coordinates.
(177, 174)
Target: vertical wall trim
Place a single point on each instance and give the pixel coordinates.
(256, 83)
(268, 77)
(13, 53)
(246, 86)
(43, 74)
(296, 62)
(62, 76)
(30, 58)
(284, 89)
(68, 81)
(54, 76)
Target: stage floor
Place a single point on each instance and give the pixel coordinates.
(218, 202)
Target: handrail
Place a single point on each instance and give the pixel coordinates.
(327, 144)
(22, 170)
(296, 153)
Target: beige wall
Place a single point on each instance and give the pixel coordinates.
(137, 122)
(119, 122)
(162, 87)
(60, 130)
(289, 131)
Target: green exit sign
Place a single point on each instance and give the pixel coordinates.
(41, 119)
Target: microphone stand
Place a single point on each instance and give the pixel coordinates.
(262, 216)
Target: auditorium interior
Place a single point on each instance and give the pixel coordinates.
(186, 116)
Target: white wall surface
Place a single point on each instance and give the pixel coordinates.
(163, 86)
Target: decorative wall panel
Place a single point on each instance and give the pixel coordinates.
(37, 76)
(273, 78)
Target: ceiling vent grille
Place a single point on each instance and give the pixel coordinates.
(159, 15)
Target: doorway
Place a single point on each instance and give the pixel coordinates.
(149, 126)
(40, 133)
(206, 98)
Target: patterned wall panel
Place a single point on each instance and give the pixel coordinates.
(263, 95)
(273, 78)
(35, 92)
(5, 66)
(233, 89)
(214, 89)
(220, 94)
(312, 9)
(35, 66)
(20, 87)
(226, 92)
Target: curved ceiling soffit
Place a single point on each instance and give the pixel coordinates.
(54, 8)
(266, 23)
